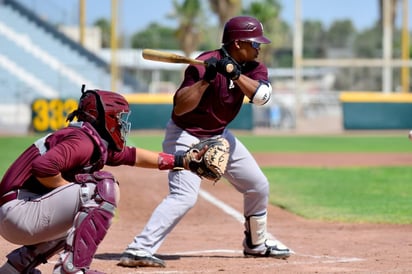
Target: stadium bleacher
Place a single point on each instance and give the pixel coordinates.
(38, 61)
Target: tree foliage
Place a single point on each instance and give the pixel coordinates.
(341, 34)
(155, 36)
(225, 9)
(368, 43)
(268, 12)
(314, 37)
(188, 32)
(194, 31)
(104, 26)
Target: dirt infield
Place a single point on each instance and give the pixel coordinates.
(208, 239)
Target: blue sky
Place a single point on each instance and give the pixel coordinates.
(135, 15)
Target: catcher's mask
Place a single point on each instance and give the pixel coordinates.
(244, 28)
(107, 112)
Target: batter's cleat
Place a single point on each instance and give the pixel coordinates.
(270, 248)
(139, 258)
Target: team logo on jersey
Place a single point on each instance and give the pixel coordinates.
(231, 84)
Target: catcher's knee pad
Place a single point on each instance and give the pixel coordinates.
(91, 225)
(107, 188)
(26, 258)
(255, 229)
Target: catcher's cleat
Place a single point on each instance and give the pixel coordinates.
(141, 258)
(270, 248)
(8, 268)
(59, 270)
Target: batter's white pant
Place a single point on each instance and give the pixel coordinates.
(242, 172)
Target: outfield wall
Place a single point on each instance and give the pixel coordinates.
(148, 111)
(152, 111)
(376, 110)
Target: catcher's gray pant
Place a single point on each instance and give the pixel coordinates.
(32, 218)
(242, 172)
(42, 223)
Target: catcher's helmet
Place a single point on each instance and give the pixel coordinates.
(107, 112)
(244, 28)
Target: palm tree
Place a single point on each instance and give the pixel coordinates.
(189, 14)
(225, 9)
(267, 12)
(104, 26)
(393, 4)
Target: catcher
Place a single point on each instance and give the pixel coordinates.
(55, 197)
(208, 99)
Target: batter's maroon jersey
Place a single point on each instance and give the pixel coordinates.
(70, 151)
(221, 101)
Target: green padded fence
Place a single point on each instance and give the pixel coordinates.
(149, 111)
(376, 110)
(153, 112)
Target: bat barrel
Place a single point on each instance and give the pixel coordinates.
(167, 57)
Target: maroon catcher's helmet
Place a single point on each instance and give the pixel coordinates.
(107, 112)
(244, 28)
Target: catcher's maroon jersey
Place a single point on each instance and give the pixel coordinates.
(69, 151)
(221, 101)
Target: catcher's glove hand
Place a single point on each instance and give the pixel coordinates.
(212, 164)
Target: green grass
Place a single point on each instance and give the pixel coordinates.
(360, 143)
(345, 143)
(11, 147)
(370, 194)
(378, 194)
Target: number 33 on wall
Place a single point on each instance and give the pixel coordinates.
(51, 114)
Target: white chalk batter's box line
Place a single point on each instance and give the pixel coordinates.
(239, 217)
(270, 263)
(319, 259)
(315, 259)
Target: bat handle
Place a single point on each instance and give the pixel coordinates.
(229, 68)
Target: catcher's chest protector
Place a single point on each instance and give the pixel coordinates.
(99, 143)
(17, 176)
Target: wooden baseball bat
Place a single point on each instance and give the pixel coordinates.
(167, 57)
(162, 56)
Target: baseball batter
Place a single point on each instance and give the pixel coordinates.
(208, 99)
(55, 197)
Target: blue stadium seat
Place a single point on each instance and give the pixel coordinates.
(51, 47)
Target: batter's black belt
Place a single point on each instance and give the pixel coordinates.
(9, 196)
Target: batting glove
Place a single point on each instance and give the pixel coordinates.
(228, 68)
(211, 72)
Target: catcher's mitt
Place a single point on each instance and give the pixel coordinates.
(212, 164)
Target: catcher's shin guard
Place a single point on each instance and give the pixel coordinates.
(90, 227)
(26, 258)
